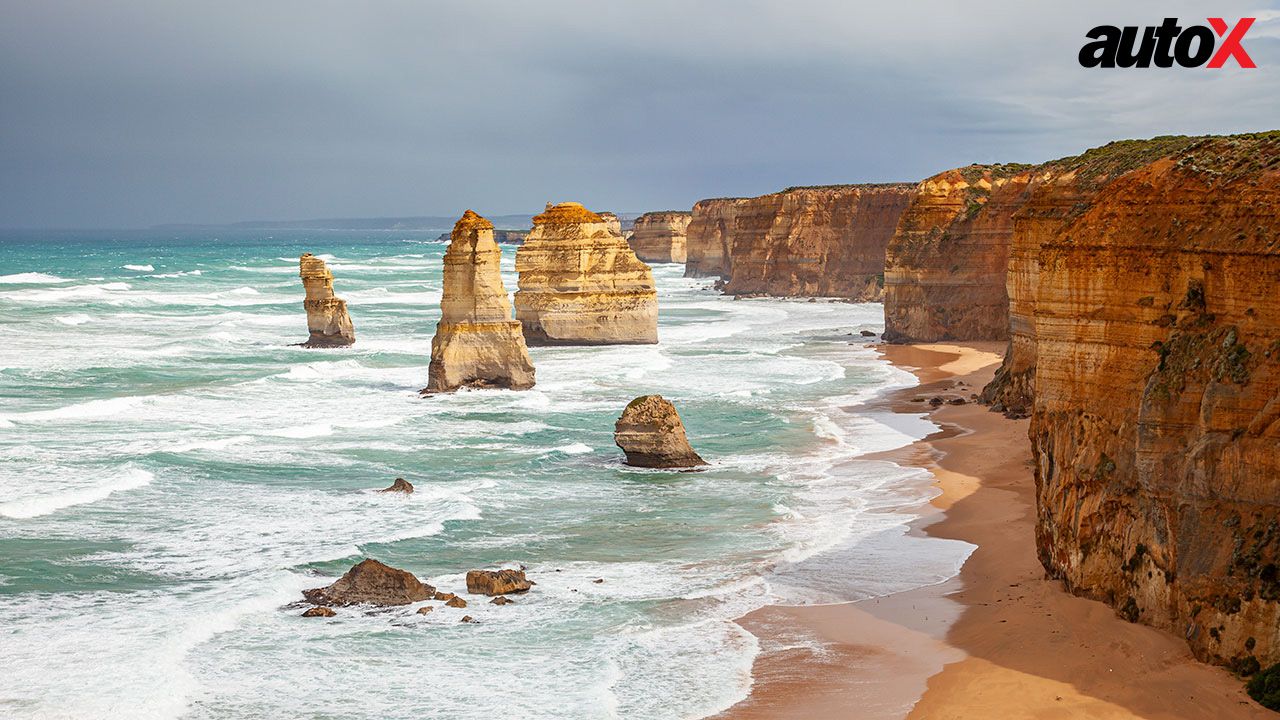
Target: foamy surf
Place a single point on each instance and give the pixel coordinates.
(31, 278)
(35, 506)
(140, 268)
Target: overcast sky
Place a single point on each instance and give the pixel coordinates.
(127, 113)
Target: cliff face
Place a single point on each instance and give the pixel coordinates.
(327, 318)
(1146, 284)
(581, 284)
(660, 237)
(476, 343)
(946, 264)
(709, 235)
(815, 242)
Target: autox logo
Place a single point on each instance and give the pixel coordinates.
(1167, 43)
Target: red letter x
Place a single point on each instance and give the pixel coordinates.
(1231, 45)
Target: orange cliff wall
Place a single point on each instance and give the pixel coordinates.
(945, 267)
(709, 235)
(1145, 280)
(815, 241)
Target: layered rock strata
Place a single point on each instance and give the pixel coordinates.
(660, 237)
(477, 343)
(327, 318)
(946, 264)
(581, 284)
(1145, 279)
(709, 236)
(497, 582)
(651, 435)
(814, 241)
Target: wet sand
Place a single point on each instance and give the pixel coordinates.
(1000, 640)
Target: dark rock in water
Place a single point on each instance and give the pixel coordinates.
(651, 434)
(598, 580)
(935, 401)
(456, 602)
(502, 600)
(319, 612)
(497, 582)
(400, 485)
(468, 619)
(426, 610)
(956, 401)
(868, 333)
(371, 582)
(439, 595)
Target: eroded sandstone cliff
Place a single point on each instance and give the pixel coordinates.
(327, 319)
(709, 235)
(815, 241)
(581, 284)
(946, 264)
(660, 237)
(477, 343)
(1146, 294)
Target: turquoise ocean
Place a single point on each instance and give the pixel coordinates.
(173, 473)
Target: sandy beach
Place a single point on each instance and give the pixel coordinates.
(1000, 640)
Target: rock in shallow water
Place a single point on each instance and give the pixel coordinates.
(497, 582)
(373, 583)
(319, 612)
(651, 434)
(400, 485)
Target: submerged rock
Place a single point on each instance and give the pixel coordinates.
(651, 435)
(477, 343)
(456, 602)
(581, 284)
(502, 600)
(400, 485)
(371, 582)
(319, 612)
(327, 318)
(426, 610)
(497, 582)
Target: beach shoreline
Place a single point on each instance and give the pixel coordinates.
(999, 639)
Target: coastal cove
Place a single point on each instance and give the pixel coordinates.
(197, 472)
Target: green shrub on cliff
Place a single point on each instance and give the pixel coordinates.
(1265, 687)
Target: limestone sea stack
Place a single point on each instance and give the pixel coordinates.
(581, 284)
(327, 317)
(477, 343)
(709, 236)
(660, 237)
(651, 434)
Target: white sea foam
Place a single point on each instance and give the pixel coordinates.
(35, 506)
(140, 268)
(574, 448)
(31, 278)
(73, 319)
(90, 410)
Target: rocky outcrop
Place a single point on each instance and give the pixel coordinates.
(581, 284)
(477, 343)
(611, 222)
(373, 583)
(497, 582)
(708, 237)
(660, 237)
(946, 265)
(651, 435)
(814, 241)
(1145, 279)
(327, 317)
(399, 486)
(319, 611)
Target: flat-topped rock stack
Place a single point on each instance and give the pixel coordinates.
(477, 343)
(581, 284)
(327, 318)
(660, 237)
